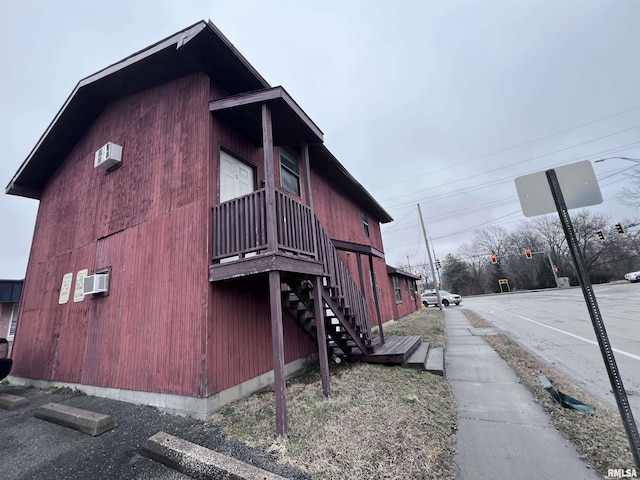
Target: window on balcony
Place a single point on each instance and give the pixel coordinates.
(289, 172)
(365, 225)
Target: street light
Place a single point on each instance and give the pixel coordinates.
(635, 160)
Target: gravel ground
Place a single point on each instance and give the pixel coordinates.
(31, 448)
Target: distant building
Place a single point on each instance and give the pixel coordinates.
(10, 291)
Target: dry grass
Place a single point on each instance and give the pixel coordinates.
(379, 422)
(599, 437)
(426, 322)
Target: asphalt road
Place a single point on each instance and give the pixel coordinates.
(555, 325)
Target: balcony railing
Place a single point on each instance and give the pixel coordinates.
(240, 228)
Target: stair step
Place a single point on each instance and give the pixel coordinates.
(435, 361)
(418, 359)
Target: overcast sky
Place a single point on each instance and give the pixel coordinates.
(430, 102)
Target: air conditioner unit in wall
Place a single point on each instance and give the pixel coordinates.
(98, 283)
(108, 156)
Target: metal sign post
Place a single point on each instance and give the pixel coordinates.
(596, 318)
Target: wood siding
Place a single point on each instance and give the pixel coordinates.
(147, 220)
(342, 218)
(239, 340)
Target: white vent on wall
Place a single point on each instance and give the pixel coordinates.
(98, 283)
(108, 156)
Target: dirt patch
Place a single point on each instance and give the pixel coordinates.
(379, 422)
(599, 437)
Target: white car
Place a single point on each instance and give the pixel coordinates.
(448, 298)
(632, 277)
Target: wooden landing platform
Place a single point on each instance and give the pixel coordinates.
(395, 350)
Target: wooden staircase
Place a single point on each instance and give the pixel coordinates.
(343, 334)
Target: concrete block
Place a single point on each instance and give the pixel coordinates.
(85, 421)
(200, 462)
(12, 402)
(418, 359)
(435, 361)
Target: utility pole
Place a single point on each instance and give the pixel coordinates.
(433, 270)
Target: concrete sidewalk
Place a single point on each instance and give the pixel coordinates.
(502, 432)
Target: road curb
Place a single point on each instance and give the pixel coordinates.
(84, 421)
(200, 462)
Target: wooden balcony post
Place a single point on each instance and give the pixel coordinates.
(323, 356)
(277, 340)
(307, 187)
(269, 178)
(376, 299)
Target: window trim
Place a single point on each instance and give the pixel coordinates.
(365, 224)
(396, 288)
(294, 160)
(13, 321)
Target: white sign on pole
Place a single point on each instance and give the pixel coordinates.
(577, 181)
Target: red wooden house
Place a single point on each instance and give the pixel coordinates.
(192, 229)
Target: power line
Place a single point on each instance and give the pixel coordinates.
(510, 148)
(537, 157)
(500, 180)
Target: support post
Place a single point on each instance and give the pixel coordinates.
(269, 179)
(433, 271)
(323, 356)
(309, 194)
(376, 299)
(553, 269)
(277, 341)
(596, 318)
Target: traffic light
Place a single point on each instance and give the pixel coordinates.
(528, 254)
(494, 258)
(620, 228)
(438, 264)
(601, 234)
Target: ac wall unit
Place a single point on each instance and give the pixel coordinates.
(98, 283)
(108, 156)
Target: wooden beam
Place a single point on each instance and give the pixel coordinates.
(269, 178)
(323, 356)
(245, 99)
(263, 263)
(277, 340)
(275, 94)
(376, 299)
(362, 288)
(357, 248)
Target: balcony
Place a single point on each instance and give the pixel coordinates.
(241, 243)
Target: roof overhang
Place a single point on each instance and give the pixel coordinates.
(401, 273)
(290, 124)
(357, 248)
(198, 48)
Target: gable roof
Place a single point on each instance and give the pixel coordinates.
(200, 47)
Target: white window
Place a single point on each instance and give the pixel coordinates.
(13, 323)
(289, 173)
